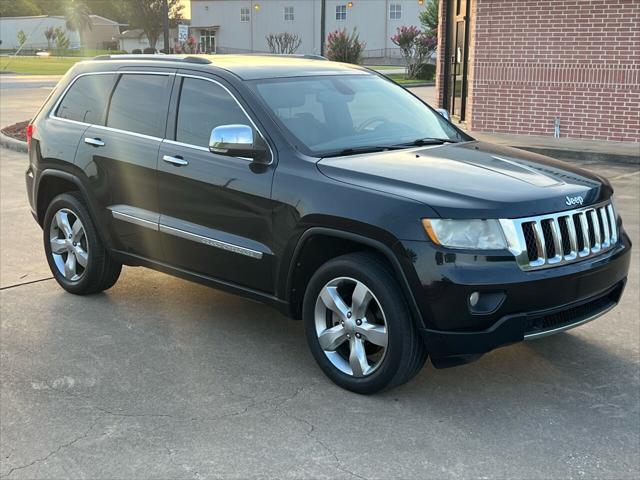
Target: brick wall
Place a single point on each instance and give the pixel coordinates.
(442, 11)
(534, 60)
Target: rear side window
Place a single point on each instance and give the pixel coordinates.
(139, 104)
(86, 101)
(203, 106)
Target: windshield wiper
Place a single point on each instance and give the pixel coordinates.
(366, 149)
(429, 141)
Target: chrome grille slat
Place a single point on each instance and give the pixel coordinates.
(596, 231)
(596, 222)
(613, 223)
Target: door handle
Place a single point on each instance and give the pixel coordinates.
(177, 160)
(96, 142)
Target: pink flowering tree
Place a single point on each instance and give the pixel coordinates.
(415, 47)
(344, 47)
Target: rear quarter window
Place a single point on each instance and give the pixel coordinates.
(87, 98)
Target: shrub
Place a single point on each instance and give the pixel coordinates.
(22, 38)
(283, 43)
(344, 47)
(425, 71)
(149, 50)
(136, 51)
(415, 47)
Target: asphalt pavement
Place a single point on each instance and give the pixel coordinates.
(162, 378)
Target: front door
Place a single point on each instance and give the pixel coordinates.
(457, 57)
(207, 41)
(215, 210)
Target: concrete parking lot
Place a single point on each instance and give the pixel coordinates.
(162, 378)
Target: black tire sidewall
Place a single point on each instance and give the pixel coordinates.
(93, 270)
(383, 285)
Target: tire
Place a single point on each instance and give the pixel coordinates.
(353, 352)
(91, 270)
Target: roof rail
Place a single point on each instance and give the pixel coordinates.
(153, 56)
(309, 56)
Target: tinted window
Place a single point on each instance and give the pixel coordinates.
(139, 104)
(204, 106)
(86, 100)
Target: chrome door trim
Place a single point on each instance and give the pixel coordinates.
(188, 145)
(185, 75)
(212, 242)
(545, 333)
(126, 214)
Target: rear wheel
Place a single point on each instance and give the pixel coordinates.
(75, 253)
(358, 326)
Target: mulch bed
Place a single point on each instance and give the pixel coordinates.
(17, 130)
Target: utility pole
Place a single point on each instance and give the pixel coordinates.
(323, 13)
(165, 25)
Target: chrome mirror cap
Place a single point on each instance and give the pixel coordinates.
(235, 140)
(444, 112)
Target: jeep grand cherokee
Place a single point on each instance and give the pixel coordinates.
(324, 190)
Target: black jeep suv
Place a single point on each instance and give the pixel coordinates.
(327, 191)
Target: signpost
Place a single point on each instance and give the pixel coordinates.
(183, 33)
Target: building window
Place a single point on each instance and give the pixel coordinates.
(395, 11)
(341, 12)
(245, 14)
(288, 14)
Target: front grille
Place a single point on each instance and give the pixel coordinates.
(559, 238)
(572, 315)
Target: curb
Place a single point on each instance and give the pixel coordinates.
(12, 144)
(413, 85)
(582, 155)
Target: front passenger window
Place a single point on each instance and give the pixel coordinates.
(203, 106)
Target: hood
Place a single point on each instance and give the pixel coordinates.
(473, 179)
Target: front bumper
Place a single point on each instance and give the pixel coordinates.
(519, 305)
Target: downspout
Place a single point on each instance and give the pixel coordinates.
(323, 13)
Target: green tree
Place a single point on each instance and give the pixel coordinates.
(147, 15)
(429, 17)
(62, 41)
(112, 9)
(19, 8)
(77, 17)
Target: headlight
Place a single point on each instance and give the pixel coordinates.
(469, 234)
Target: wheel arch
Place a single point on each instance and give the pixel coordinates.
(299, 271)
(53, 182)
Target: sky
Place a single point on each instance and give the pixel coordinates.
(186, 13)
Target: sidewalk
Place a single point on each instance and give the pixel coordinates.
(568, 148)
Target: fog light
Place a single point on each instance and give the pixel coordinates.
(474, 298)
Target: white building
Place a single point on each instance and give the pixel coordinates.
(228, 26)
(102, 32)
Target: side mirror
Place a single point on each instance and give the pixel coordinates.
(237, 141)
(444, 112)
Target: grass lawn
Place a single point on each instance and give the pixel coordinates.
(38, 65)
(383, 67)
(399, 78)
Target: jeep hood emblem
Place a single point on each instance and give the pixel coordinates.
(574, 200)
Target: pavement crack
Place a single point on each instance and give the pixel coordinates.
(15, 285)
(311, 434)
(55, 451)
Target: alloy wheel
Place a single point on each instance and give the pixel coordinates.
(351, 326)
(69, 247)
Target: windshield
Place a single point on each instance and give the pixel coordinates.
(328, 115)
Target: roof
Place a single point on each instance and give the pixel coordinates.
(95, 19)
(253, 67)
(133, 33)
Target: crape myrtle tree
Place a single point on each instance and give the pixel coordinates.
(345, 47)
(415, 46)
(283, 43)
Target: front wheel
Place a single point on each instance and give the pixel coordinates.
(358, 326)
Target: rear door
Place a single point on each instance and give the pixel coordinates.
(215, 210)
(120, 156)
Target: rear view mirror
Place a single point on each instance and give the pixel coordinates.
(237, 141)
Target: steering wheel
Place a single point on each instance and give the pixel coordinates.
(371, 121)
